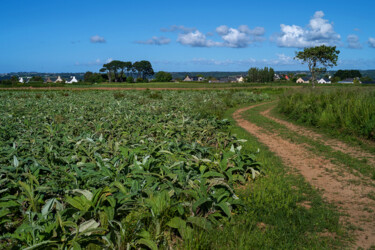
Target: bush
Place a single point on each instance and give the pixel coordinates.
(130, 79)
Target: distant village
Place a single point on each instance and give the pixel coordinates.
(341, 76)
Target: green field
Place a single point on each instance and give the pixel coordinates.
(149, 169)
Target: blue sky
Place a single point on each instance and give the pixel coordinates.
(77, 36)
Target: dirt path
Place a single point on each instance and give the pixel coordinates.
(334, 144)
(335, 183)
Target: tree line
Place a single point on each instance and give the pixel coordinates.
(261, 75)
(119, 70)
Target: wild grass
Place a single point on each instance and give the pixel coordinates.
(349, 111)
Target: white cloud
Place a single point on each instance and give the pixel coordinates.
(371, 42)
(156, 41)
(241, 37)
(257, 31)
(196, 39)
(222, 30)
(318, 32)
(353, 42)
(179, 28)
(231, 37)
(97, 39)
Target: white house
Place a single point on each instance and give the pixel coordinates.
(58, 79)
(324, 80)
(303, 80)
(21, 80)
(72, 80)
(188, 79)
(240, 79)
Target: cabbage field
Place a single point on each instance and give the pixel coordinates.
(118, 170)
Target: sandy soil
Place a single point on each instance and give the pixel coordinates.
(336, 184)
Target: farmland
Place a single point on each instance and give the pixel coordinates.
(151, 169)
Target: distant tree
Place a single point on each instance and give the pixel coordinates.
(87, 76)
(271, 75)
(14, 79)
(129, 79)
(343, 74)
(93, 77)
(137, 66)
(366, 79)
(356, 81)
(128, 67)
(325, 56)
(335, 79)
(6, 82)
(260, 75)
(108, 69)
(163, 76)
(36, 79)
(144, 69)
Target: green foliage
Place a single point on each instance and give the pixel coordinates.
(325, 56)
(36, 79)
(347, 111)
(366, 79)
(90, 77)
(260, 75)
(117, 169)
(129, 79)
(343, 74)
(163, 76)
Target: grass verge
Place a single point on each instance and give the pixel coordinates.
(316, 147)
(282, 211)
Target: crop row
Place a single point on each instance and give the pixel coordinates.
(117, 169)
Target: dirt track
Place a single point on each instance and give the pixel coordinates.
(333, 180)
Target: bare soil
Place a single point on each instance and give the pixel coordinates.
(334, 181)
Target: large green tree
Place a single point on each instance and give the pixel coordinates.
(318, 59)
(163, 76)
(144, 69)
(343, 74)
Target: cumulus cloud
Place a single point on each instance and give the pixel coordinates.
(319, 31)
(231, 37)
(156, 41)
(196, 39)
(97, 39)
(179, 28)
(241, 37)
(371, 42)
(353, 42)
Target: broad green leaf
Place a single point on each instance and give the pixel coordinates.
(148, 243)
(225, 208)
(176, 222)
(39, 245)
(86, 193)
